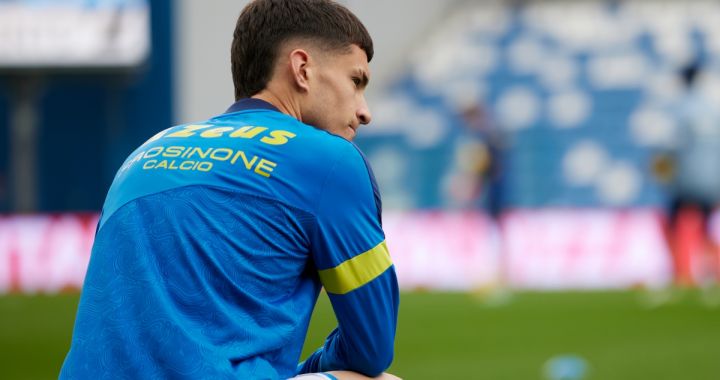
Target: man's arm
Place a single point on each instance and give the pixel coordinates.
(355, 268)
(364, 339)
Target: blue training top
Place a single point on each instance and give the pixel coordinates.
(213, 244)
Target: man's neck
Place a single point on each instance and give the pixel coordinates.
(282, 103)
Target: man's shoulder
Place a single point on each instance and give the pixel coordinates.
(271, 120)
(313, 142)
(275, 136)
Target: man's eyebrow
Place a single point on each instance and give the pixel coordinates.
(364, 80)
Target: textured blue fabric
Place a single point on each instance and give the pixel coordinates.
(206, 257)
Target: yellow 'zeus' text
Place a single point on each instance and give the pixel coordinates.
(266, 136)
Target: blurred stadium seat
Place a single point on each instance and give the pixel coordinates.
(581, 87)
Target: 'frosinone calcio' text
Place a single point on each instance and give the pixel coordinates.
(193, 158)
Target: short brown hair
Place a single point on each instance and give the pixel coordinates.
(264, 25)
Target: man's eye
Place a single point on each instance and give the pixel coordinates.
(357, 81)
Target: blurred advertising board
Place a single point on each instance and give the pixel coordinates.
(539, 249)
(435, 250)
(443, 249)
(45, 253)
(585, 249)
(48, 34)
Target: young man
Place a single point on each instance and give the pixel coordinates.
(216, 237)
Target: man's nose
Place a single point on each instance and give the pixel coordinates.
(363, 112)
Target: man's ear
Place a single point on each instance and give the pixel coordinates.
(299, 64)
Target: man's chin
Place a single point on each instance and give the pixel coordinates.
(350, 134)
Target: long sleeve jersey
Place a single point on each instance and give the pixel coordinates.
(213, 244)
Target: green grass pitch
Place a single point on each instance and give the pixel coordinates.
(622, 335)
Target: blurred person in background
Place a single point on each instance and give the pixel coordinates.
(216, 238)
(476, 181)
(691, 170)
(476, 178)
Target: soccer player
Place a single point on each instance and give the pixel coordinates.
(691, 169)
(216, 237)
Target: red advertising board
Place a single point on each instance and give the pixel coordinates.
(42, 253)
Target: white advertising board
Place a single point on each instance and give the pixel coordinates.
(45, 34)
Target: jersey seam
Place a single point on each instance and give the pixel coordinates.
(325, 182)
(316, 225)
(251, 110)
(373, 182)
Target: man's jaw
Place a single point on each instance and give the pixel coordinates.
(352, 131)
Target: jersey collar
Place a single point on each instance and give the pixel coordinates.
(251, 104)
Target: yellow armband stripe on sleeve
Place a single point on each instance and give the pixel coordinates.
(357, 271)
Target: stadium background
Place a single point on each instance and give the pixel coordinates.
(573, 277)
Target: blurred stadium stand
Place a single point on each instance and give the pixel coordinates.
(582, 89)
